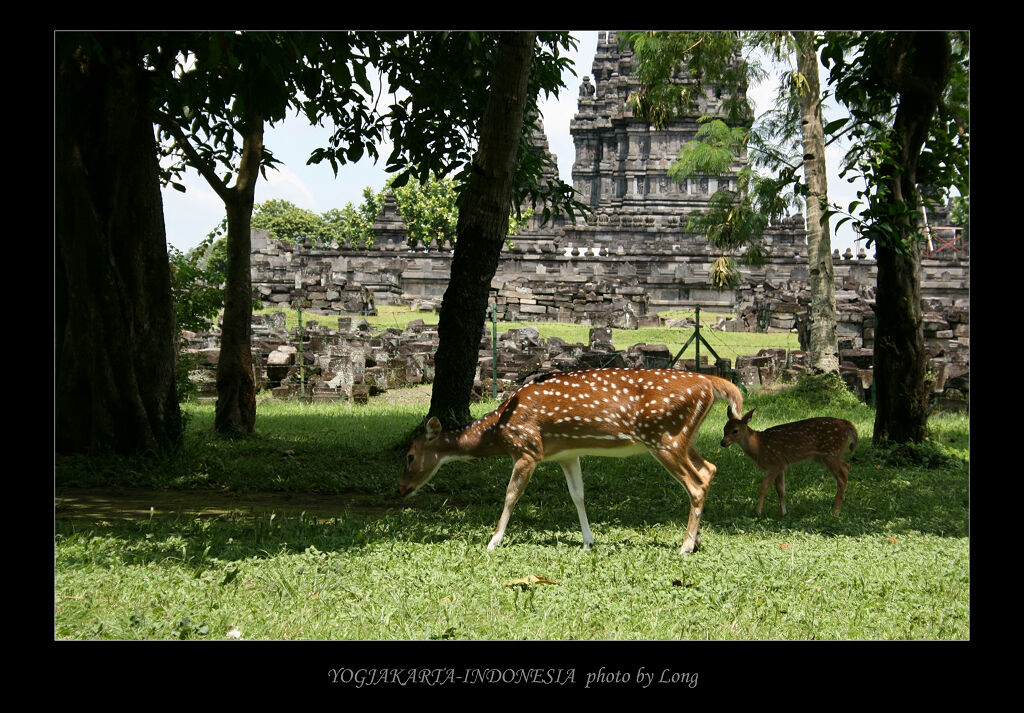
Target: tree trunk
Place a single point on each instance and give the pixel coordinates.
(114, 354)
(236, 385)
(919, 70)
(900, 361)
(823, 342)
(481, 231)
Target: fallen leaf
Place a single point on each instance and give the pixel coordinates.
(529, 580)
(784, 546)
(893, 539)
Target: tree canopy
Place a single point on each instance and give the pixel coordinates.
(888, 81)
(907, 93)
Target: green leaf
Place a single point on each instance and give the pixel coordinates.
(833, 126)
(401, 179)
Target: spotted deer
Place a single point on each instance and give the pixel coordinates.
(602, 412)
(822, 440)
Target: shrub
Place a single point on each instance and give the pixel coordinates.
(822, 391)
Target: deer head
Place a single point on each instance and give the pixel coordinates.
(423, 459)
(737, 429)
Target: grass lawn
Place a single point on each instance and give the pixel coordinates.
(302, 537)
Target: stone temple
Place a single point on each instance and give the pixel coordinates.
(632, 257)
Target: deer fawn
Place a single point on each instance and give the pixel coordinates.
(605, 412)
(819, 439)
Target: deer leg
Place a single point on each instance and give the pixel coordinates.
(763, 491)
(695, 474)
(780, 488)
(574, 479)
(841, 472)
(705, 471)
(521, 472)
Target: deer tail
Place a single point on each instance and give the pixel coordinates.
(727, 391)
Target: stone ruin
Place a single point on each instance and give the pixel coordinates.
(628, 261)
(353, 362)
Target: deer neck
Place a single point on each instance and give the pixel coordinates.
(751, 445)
(479, 439)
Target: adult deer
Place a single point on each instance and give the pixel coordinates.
(603, 412)
(819, 439)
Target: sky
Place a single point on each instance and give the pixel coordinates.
(189, 217)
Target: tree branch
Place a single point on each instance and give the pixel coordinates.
(192, 156)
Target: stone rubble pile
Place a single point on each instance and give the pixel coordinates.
(351, 361)
(784, 306)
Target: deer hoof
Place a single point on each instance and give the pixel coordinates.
(693, 549)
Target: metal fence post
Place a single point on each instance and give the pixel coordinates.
(494, 349)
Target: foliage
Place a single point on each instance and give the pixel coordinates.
(292, 224)
(931, 454)
(430, 210)
(875, 74)
(724, 274)
(215, 257)
(960, 214)
(713, 66)
(821, 392)
(434, 121)
(196, 289)
(233, 76)
(349, 227)
(734, 218)
(354, 226)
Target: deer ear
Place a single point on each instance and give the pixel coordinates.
(746, 417)
(433, 428)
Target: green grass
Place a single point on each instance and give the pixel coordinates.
(893, 566)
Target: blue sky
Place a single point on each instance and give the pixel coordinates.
(190, 216)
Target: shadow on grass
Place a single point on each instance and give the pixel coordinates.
(329, 482)
(184, 525)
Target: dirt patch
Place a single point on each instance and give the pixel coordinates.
(96, 505)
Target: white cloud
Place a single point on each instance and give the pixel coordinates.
(284, 184)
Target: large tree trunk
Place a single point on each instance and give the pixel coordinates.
(900, 360)
(115, 348)
(823, 342)
(481, 230)
(236, 385)
(919, 70)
